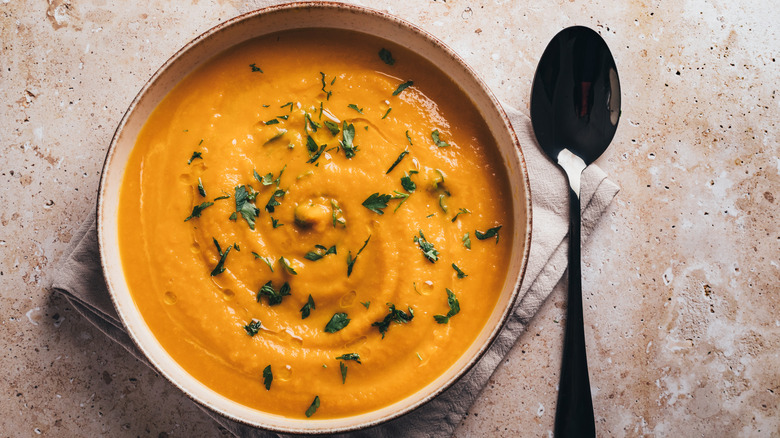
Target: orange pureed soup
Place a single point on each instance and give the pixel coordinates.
(315, 223)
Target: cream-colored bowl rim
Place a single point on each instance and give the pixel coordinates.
(235, 31)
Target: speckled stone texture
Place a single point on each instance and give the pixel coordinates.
(681, 277)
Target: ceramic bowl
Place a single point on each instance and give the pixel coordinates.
(236, 31)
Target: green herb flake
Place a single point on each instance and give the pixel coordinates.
(224, 196)
(244, 195)
(253, 327)
(366, 304)
(316, 156)
(286, 264)
(407, 183)
(351, 260)
(419, 357)
(272, 122)
(348, 141)
(460, 212)
(349, 356)
(394, 315)
(355, 107)
(201, 190)
(198, 209)
(275, 223)
(408, 138)
(194, 156)
(343, 368)
(276, 136)
(387, 112)
(466, 241)
(290, 104)
(274, 297)
(376, 203)
(491, 232)
(319, 252)
(268, 377)
(461, 274)
(327, 93)
(402, 87)
(332, 127)
(437, 141)
(255, 68)
(427, 248)
(386, 57)
(442, 205)
(314, 406)
(307, 308)
(452, 300)
(267, 260)
(236, 247)
(337, 214)
(430, 215)
(397, 160)
(312, 124)
(272, 202)
(337, 322)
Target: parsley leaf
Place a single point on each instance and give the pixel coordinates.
(265, 259)
(466, 241)
(452, 300)
(311, 145)
(276, 136)
(338, 214)
(351, 260)
(224, 196)
(355, 107)
(462, 211)
(350, 356)
(376, 203)
(269, 207)
(397, 160)
(366, 304)
(253, 327)
(441, 203)
(407, 183)
(255, 68)
(337, 322)
(290, 104)
(488, 234)
(349, 138)
(286, 264)
(399, 195)
(343, 367)
(402, 87)
(409, 139)
(307, 308)
(244, 206)
(386, 57)
(314, 125)
(332, 127)
(327, 93)
(388, 112)
(314, 406)
(427, 248)
(274, 297)
(272, 122)
(198, 209)
(194, 156)
(394, 315)
(268, 377)
(438, 142)
(275, 223)
(319, 252)
(461, 274)
(220, 268)
(201, 190)
(316, 156)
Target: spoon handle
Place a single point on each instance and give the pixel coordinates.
(574, 411)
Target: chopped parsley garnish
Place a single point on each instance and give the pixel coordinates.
(338, 214)
(311, 145)
(488, 234)
(365, 303)
(272, 122)
(198, 209)
(290, 104)
(224, 196)
(343, 368)
(317, 154)
(307, 308)
(194, 156)
(286, 264)
(397, 160)
(351, 261)
(409, 139)
(201, 190)
(394, 315)
(274, 296)
(387, 112)
(253, 327)
(314, 406)
(276, 136)
(255, 68)
(355, 107)
(437, 141)
(376, 203)
(460, 212)
(269, 207)
(407, 183)
(402, 87)
(399, 195)
(349, 137)
(312, 124)
(236, 247)
(275, 223)
(327, 93)
(466, 241)
(427, 248)
(461, 274)
(452, 300)
(349, 356)
(268, 377)
(285, 117)
(332, 127)
(386, 57)
(337, 322)
(244, 196)
(441, 203)
(319, 252)
(220, 268)
(265, 259)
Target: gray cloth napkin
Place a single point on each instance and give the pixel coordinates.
(80, 280)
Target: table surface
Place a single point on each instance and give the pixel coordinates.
(681, 276)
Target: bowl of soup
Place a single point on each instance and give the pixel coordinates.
(314, 218)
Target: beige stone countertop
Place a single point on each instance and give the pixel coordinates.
(681, 276)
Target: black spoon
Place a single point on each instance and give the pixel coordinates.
(575, 108)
